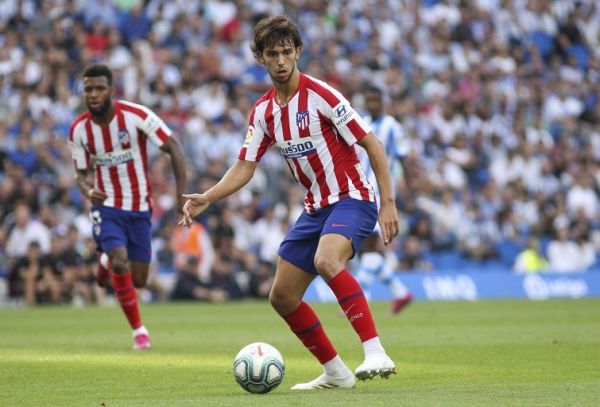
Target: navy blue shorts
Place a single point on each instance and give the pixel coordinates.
(114, 227)
(349, 217)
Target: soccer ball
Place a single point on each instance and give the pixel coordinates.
(258, 368)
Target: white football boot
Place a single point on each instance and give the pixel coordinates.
(375, 364)
(343, 380)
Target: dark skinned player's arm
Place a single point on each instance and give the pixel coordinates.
(173, 148)
(86, 186)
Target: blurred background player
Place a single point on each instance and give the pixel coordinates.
(378, 261)
(109, 149)
(315, 129)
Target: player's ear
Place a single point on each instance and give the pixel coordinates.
(298, 52)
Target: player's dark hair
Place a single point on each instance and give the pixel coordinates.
(95, 70)
(274, 30)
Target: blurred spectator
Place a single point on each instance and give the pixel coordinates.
(101, 10)
(34, 279)
(135, 24)
(97, 38)
(261, 280)
(582, 197)
(446, 216)
(565, 254)
(269, 230)
(60, 266)
(189, 286)
(478, 235)
(531, 260)
(193, 242)
(587, 251)
(24, 154)
(25, 231)
(412, 256)
(227, 265)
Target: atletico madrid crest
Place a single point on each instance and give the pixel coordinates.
(302, 120)
(124, 138)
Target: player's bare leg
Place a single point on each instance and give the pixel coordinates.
(286, 298)
(125, 292)
(332, 255)
(139, 273)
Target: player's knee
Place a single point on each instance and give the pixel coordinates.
(275, 299)
(327, 267)
(119, 266)
(281, 302)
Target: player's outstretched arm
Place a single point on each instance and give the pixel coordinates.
(234, 179)
(388, 215)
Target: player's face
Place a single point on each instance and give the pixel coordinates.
(97, 94)
(373, 103)
(280, 61)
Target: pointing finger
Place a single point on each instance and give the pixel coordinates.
(384, 236)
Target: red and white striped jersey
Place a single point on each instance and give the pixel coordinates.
(118, 153)
(315, 132)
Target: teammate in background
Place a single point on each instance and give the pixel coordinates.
(315, 129)
(109, 145)
(377, 260)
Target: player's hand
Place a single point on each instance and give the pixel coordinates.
(96, 196)
(194, 206)
(389, 222)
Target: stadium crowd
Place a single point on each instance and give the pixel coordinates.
(499, 100)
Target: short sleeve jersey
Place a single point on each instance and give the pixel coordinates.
(118, 153)
(316, 133)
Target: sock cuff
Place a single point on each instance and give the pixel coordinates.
(345, 287)
(373, 345)
(334, 365)
(339, 280)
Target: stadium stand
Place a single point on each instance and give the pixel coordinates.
(499, 99)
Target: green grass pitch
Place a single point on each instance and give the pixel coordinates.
(507, 353)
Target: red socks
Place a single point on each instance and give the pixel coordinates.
(307, 327)
(127, 296)
(351, 298)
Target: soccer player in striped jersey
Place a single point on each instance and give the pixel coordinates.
(109, 145)
(377, 260)
(315, 129)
